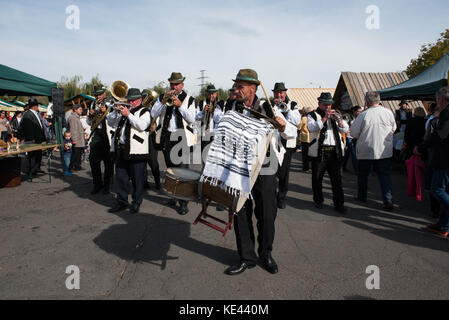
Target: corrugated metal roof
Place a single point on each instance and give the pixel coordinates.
(307, 97)
(356, 84)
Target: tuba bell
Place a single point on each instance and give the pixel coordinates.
(119, 90)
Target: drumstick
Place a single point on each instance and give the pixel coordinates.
(268, 99)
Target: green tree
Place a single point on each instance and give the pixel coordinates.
(74, 86)
(429, 54)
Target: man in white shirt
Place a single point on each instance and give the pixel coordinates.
(326, 150)
(177, 122)
(131, 144)
(374, 131)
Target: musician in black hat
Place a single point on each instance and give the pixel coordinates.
(206, 112)
(32, 129)
(264, 190)
(177, 127)
(289, 110)
(326, 150)
(100, 143)
(130, 142)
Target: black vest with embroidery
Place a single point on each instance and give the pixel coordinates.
(122, 122)
(323, 134)
(169, 115)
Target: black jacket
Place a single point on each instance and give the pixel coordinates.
(30, 129)
(438, 141)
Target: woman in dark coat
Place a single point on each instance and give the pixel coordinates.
(415, 131)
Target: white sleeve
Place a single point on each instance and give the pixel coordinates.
(290, 131)
(218, 114)
(356, 126)
(188, 114)
(141, 123)
(313, 125)
(293, 117)
(157, 109)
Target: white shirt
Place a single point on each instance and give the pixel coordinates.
(140, 124)
(37, 116)
(317, 125)
(374, 129)
(186, 113)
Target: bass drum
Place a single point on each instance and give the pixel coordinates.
(182, 184)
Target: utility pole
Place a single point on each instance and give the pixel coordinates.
(202, 79)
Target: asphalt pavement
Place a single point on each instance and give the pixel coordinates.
(157, 254)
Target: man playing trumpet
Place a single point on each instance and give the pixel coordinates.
(177, 110)
(131, 144)
(326, 150)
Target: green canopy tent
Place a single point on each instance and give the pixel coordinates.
(17, 83)
(423, 86)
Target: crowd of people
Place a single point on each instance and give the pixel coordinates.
(125, 137)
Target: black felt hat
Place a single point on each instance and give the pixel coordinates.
(99, 90)
(211, 89)
(133, 94)
(280, 86)
(326, 97)
(32, 102)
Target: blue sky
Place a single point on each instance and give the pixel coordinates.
(142, 42)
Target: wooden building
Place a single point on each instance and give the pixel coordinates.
(352, 87)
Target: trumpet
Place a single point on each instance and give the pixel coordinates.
(207, 115)
(336, 116)
(170, 98)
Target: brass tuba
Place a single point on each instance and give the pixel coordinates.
(150, 98)
(119, 90)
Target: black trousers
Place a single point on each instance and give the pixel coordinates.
(265, 210)
(168, 147)
(34, 161)
(283, 174)
(75, 160)
(153, 163)
(332, 165)
(126, 170)
(100, 151)
(305, 157)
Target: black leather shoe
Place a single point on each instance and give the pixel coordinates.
(183, 210)
(220, 208)
(106, 190)
(269, 264)
(134, 208)
(389, 206)
(239, 268)
(158, 186)
(172, 202)
(96, 190)
(318, 205)
(117, 208)
(341, 210)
